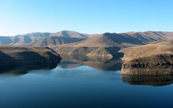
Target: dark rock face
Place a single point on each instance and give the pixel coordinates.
(151, 59)
(18, 56)
(152, 65)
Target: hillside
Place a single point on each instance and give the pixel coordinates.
(151, 59)
(16, 56)
(149, 36)
(108, 44)
(43, 38)
(54, 40)
(70, 42)
(22, 39)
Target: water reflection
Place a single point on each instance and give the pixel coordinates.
(82, 86)
(152, 80)
(83, 67)
(20, 70)
(101, 63)
(69, 64)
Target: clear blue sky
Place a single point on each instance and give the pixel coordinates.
(85, 16)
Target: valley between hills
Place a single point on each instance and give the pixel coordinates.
(141, 53)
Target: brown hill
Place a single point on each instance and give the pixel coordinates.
(108, 44)
(22, 39)
(98, 40)
(52, 41)
(123, 39)
(32, 38)
(67, 33)
(15, 55)
(149, 36)
(151, 59)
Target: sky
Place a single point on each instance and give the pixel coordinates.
(85, 16)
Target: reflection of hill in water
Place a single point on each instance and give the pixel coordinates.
(24, 69)
(68, 64)
(160, 80)
(102, 63)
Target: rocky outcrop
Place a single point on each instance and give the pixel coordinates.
(17, 56)
(152, 65)
(152, 59)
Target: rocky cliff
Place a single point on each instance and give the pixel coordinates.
(151, 59)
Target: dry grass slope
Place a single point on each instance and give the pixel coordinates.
(15, 55)
(102, 44)
(151, 59)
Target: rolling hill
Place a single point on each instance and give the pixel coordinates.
(71, 42)
(55, 40)
(20, 55)
(43, 39)
(108, 44)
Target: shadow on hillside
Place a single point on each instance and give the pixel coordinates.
(10, 65)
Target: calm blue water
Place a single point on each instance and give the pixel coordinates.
(81, 86)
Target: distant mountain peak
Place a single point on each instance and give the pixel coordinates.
(109, 34)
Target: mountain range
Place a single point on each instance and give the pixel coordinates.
(66, 37)
(71, 42)
(43, 39)
(107, 44)
(140, 51)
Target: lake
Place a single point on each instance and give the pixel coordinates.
(82, 83)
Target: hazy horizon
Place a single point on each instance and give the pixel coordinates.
(82, 32)
(92, 17)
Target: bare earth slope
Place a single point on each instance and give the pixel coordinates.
(54, 40)
(15, 55)
(43, 39)
(151, 59)
(108, 44)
